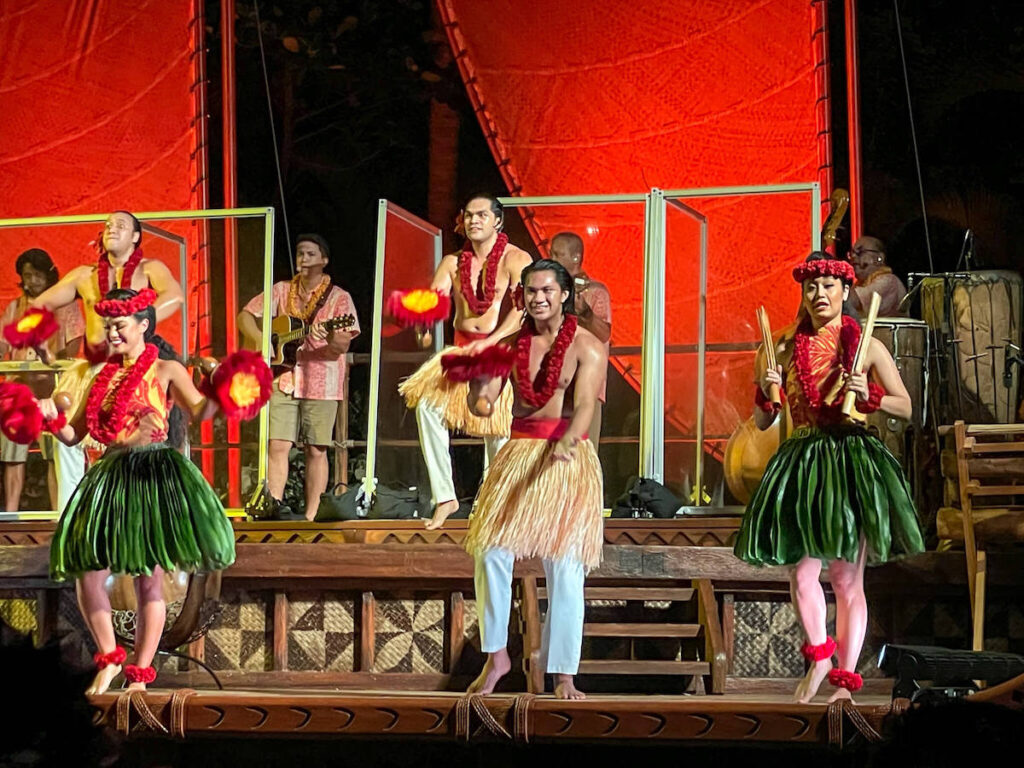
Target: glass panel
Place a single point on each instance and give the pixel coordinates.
(613, 257)
(411, 254)
(744, 271)
(191, 246)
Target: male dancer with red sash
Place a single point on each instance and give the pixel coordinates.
(477, 278)
(543, 494)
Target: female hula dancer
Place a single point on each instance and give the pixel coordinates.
(142, 508)
(832, 493)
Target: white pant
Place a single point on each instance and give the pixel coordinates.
(434, 443)
(562, 637)
(69, 467)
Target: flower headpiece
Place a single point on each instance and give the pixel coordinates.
(125, 307)
(823, 268)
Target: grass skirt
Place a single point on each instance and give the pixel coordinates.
(430, 385)
(534, 506)
(820, 493)
(137, 508)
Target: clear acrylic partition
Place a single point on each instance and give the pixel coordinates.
(408, 253)
(726, 251)
(614, 233)
(192, 244)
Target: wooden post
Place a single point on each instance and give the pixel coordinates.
(729, 627)
(714, 645)
(367, 633)
(530, 607)
(454, 630)
(978, 615)
(46, 615)
(280, 634)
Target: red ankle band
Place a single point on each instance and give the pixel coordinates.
(842, 678)
(819, 652)
(116, 656)
(134, 674)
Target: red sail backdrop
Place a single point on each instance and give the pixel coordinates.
(606, 96)
(99, 112)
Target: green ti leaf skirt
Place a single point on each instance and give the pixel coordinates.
(822, 491)
(137, 508)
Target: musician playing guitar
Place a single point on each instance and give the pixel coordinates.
(304, 405)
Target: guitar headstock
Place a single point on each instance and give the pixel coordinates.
(341, 323)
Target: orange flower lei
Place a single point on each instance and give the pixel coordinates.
(311, 303)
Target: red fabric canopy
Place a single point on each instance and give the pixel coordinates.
(606, 96)
(99, 113)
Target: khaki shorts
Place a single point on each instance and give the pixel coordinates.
(310, 422)
(16, 453)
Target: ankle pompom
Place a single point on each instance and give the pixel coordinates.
(819, 652)
(843, 678)
(104, 660)
(134, 674)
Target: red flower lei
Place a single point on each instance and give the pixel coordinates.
(478, 302)
(103, 267)
(849, 336)
(105, 427)
(550, 367)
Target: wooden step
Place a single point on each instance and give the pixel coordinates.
(640, 629)
(629, 667)
(675, 594)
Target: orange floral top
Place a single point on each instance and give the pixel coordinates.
(149, 397)
(825, 355)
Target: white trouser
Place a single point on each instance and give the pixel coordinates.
(434, 443)
(69, 467)
(562, 637)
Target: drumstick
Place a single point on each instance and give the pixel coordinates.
(862, 351)
(769, 353)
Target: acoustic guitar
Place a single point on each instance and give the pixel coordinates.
(288, 333)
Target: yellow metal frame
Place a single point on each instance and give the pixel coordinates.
(267, 214)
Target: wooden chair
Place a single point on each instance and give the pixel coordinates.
(990, 483)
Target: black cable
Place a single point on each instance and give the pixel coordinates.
(273, 134)
(913, 137)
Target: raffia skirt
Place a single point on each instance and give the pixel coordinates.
(534, 506)
(137, 508)
(821, 493)
(429, 385)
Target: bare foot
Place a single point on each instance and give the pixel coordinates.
(103, 679)
(497, 666)
(565, 688)
(815, 676)
(841, 693)
(136, 686)
(441, 513)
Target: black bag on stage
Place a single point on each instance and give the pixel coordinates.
(335, 507)
(395, 504)
(646, 498)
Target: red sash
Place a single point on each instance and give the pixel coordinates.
(551, 430)
(462, 338)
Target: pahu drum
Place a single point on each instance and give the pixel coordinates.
(975, 319)
(908, 343)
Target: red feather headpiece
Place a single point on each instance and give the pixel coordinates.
(493, 361)
(823, 268)
(125, 307)
(418, 307)
(31, 329)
